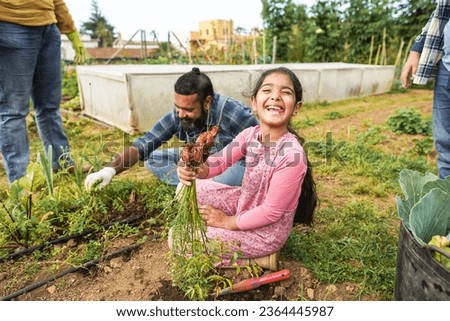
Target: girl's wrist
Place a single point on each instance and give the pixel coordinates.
(232, 223)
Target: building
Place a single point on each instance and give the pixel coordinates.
(212, 33)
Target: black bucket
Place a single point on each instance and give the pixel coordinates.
(419, 277)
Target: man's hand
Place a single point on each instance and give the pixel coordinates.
(410, 68)
(80, 52)
(103, 176)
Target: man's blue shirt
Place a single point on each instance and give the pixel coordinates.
(231, 115)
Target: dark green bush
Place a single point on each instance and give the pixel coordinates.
(409, 121)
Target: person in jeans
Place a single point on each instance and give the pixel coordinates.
(30, 67)
(430, 57)
(196, 108)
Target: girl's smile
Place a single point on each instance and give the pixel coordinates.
(275, 103)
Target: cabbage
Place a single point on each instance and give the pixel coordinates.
(425, 209)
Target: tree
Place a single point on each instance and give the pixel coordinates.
(299, 38)
(367, 22)
(326, 39)
(98, 27)
(278, 18)
(412, 15)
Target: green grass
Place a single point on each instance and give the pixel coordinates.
(357, 160)
(353, 243)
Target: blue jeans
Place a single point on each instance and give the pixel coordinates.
(30, 67)
(441, 120)
(163, 164)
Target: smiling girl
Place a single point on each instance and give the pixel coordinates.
(278, 188)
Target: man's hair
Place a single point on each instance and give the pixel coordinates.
(195, 82)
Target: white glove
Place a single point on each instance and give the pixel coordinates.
(104, 176)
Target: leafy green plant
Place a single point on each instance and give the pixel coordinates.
(69, 83)
(423, 147)
(193, 256)
(333, 115)
(20, 223)
(72, 104)
(45, 160)
(409, 121)
(426, 207)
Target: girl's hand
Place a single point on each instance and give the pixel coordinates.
(186, 173)
(217, 218)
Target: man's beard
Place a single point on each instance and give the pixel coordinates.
(189, 124)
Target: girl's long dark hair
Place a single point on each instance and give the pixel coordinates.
(308, 199)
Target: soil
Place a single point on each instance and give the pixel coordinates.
(141, 273)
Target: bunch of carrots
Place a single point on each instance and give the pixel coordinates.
(189, 230)
(192, 255)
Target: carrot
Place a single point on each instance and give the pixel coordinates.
(195, 154)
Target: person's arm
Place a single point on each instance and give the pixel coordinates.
(217, 218)
(66, 26)
(161, 133)
(215, 164)
(419, 42)
(125, 160)
(64, 19)
(410, 67)
(230, 154)
(141, 148)
(282, 195)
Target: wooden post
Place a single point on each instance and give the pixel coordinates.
(264, 46)
(274, 50)
(371, 49)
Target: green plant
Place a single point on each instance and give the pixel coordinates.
(69, 83)
(409, 121)
(426, 207)
(72, 104)
(45, 159)
(333, 115)
(92, 250)
(20, 223)
(423, 147)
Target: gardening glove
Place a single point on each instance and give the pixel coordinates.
(103, 176)
(80, 52)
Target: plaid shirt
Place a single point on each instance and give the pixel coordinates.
(430, 43)
(231, 115)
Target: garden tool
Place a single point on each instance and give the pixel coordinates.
(256, 282)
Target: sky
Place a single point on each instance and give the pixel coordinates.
(162, 16)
